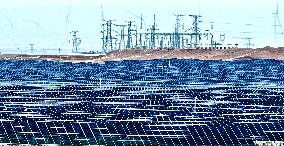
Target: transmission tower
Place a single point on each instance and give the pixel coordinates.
(222, 38)
(247, 39)
(103, 38)
(129, 34)
(249, 44)
(276, 18)
(121, 41)
(196, 36)
(75, 41)
(109, 37)
(153, 33)
(177, 31)
(32, 46)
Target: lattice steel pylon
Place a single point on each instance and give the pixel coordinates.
(176, 42)
(122, 35)
(153, 34)
(129, 34)
(108, 38)
(277, 24)
(75, 41)
(32, 46)
(196, 35)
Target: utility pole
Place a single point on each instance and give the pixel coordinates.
(196, 36)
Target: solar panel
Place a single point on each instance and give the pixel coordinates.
(147, 102)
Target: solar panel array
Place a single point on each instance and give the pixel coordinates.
(157, 102)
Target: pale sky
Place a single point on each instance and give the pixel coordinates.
(43, 22)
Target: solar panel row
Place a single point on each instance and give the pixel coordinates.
(157, 102)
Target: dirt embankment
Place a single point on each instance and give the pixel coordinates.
(235, 53)
(138, 54)
(72, 58)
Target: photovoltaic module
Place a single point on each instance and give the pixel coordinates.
(157, 102)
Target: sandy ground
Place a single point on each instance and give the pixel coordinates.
(138, 54)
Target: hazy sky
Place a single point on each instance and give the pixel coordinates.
(43, 22)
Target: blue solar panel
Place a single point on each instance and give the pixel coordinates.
(148, 102)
